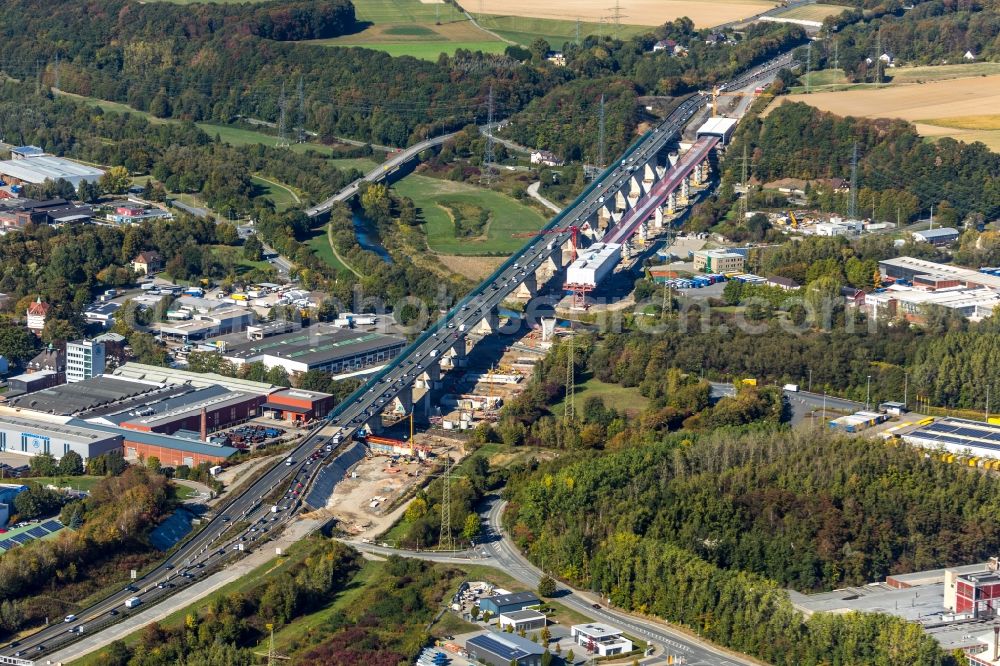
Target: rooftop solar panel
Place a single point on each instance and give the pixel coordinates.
(52, 525)
(21, 538)
(38, 532)
(7, 544)
(497, 648)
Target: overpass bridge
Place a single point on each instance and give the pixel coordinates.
(379, 173)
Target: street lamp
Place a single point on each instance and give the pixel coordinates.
(868, 395)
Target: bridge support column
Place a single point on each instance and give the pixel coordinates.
(456, 354)
(685, 195)
(403, 402)
(430, 378)
(374, 425)
(621, 202)
(658, 218)
(672, 203)
(528, 287)
(490, 323)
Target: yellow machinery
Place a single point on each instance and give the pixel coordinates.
(794, 222)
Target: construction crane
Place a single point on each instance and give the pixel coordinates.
(716, 94)
(574, 232)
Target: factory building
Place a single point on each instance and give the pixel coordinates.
(197, 410)
(34, 434)
(319, 347)
(937, 237)
(931, 275)
(911, 304)
(594, 264)
(498, 649)
(297, 405)
(718, 261)
(8, 491)
(71, 399)
(36, 169)
(962, 436)
(974, 594)
(155, 374)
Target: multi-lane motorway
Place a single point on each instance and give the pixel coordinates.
(243, 519)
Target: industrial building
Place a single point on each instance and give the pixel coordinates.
(155, 374)
(69, 399)
(975, 438)
(198, 411)
(8, 491)
(937, 237)
(30, 382)
(18, 213)
(601, 639)
(298, 405)
(718, 261)
(33, 434)
(319, 347)
(975, 594)
(191, 327)
(498, 649)
(932, 275)
(594, 264)
(522, 620)
(36, 169)
(912, 304)
(505, 603)
(84, 359)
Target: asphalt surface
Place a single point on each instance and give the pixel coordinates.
(496, 550)
(378, 173)
(214, 545)
(803, 404)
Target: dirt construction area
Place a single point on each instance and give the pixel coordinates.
(704, 13)
(361, 502)
(936, 108)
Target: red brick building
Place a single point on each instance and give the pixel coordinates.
(297, 405)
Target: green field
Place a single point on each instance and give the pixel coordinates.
(405, 11)
(832, 80)
(363, 164)
(625, 399)
(428, 50)
(280, 195)
(509, 216)
(320, 244)
(525, 30)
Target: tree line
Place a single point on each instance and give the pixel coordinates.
(706, 530)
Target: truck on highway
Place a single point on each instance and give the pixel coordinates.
(791, 388)
(275, 509)
(132, 602)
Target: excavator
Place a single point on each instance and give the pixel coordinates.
(792, 221)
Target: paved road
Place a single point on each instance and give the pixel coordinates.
(496, 550)
(536, 195)
(378, 173)
(213, 546)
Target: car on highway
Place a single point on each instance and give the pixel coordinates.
(70, 618)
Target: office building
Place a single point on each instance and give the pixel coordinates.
(84, 359)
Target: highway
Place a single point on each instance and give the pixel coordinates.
(212, 546)
(378, 173)
(496, 550)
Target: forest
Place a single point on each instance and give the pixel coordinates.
(706, 530)
(908, 173)
(932, 32)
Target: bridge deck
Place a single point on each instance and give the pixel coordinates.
(622, 231)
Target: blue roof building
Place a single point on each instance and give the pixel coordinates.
(501, 649)
(503, 603)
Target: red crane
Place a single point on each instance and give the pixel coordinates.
(574, 230)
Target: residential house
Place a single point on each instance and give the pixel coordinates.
(37, 313)
(664, 45)
(545, 158)
(52, 360)
(970, 56)
(148, 262)
(853, 298)
(780, 282)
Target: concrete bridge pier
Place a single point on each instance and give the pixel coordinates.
(430, 378)
(528, 288)
(403, 402)
(490, 323)
(456, 354)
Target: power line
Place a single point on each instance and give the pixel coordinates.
(489, 157)
(302, 113)
(282, 120)
(569, 415)
(600, 137)
(852, 209)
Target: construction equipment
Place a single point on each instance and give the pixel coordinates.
(794, 222)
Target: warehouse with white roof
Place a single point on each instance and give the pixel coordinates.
(36, 169)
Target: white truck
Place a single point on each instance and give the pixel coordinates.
(791, 388)
(132, 602)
